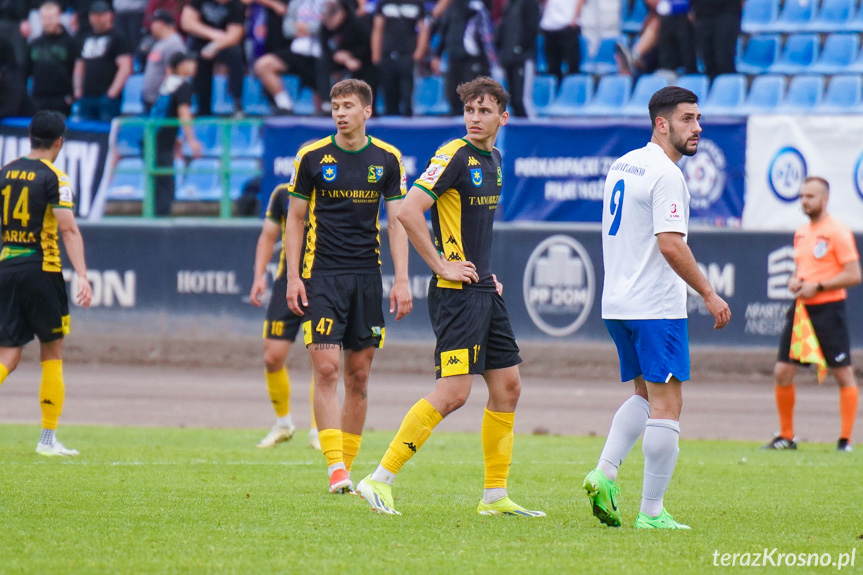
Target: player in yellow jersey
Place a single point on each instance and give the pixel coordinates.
(336, 285)
(36, 202)
(461, 185)
(281, 326)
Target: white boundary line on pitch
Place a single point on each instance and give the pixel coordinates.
(273, 463)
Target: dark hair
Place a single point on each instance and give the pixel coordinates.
(45, 128)
(350, 87)
(178, 58)
(820, 180)
(665, 100)
(484, 86)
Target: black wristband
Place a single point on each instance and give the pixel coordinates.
(820, 287)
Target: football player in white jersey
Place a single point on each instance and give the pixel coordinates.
(647, 262)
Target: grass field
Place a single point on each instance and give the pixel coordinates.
(144, 500)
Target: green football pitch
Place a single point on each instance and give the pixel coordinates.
(149, 500)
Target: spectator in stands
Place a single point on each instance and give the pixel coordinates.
(14, 27)
(717, 26)
(167, 43)
(516, 50)
(301, 23)
(51, 62)
(642, 57)
(560, 27)
(265, 26)
(175, 7)
(676, 37)
(174, 102)
(345, 49)
(600, 20)
(102, 68)
(130, 19)
(216, 29)
(467, 38)
(12, 93)
(399, 41)
(81, 27)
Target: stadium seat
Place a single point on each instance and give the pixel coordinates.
(760, 53)
(574, 94)
(645, 87)
(429, 96)
(242, 170)
(127, 182)
(223, 104)
(765, 94)
(246, 141)
(201, 181)
(840, 51)
(603, 61)
(612, 94)
(254, 97)
(834, 16)
(130, 140)
(726, 96)
(133, 103)
(804, 93)
(544, 87)
(844, 96)
(208, 135)
(799, 53)
(796, 15)
(759, 15)
(855, 23)
(697, 83)
(634, 17)
(541, 62)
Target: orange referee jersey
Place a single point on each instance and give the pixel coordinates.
(821, 251)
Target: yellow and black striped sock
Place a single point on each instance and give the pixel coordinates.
(350, 448)
(51, 392)
(331, 445)
(416, 427)
(279, 388)
(497, 438)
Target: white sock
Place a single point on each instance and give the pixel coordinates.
(284, 421)
(626, 428)
(283, 101)
(383, 475)
(660, 456)
(313, 432)
(335, 466)
(494, 494)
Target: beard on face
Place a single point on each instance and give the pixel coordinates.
(680, 144)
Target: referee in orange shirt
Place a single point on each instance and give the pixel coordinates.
(827, 262)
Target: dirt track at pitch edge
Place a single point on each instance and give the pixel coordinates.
(566, 389)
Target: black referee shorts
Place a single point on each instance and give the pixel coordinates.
(831, 328)
(32, 303)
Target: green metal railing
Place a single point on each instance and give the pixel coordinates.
(151, 127)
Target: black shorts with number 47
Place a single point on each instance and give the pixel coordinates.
(344, 310)
(473, 331)
(32, 303)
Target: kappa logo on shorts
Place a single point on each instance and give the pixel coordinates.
(328, 159)
(455, 362)
(471, 161)
(375, 173)
(476, 177)
(329, 173)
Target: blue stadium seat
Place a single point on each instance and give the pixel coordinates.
(208, 135)
(698, 83)
(132, 103)
(799, 53)
(612, 94)
(760, 53)
(765, 94)
(130, 140)
(223, 104)
(844, 95)
(855, 23)
(634, 17)
(574, 94)
(603, 61)
(242, 170)
(127, 182)
(759, 15)
(796, 15)
(201, 181)
(254, 97)
(429, 96)
(833, 16)
(839, 52)
(541, 62)
(304, 104)
(645, 87)
(544, 87)
(246, 141)
(804, 93)
(726, 96)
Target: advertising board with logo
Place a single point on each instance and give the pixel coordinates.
(782, 151)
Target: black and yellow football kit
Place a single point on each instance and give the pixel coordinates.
(470, 322)
(341, 259)
(33, 299)
(281, 323)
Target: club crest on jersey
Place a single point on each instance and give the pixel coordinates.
(375, 173)
(329, 173)
(328, 159)
(499, 177)
(820, 248)
(471, 161)
(476, 177)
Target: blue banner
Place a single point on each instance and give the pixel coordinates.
(556, 172)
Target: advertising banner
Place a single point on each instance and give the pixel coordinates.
(782, 150)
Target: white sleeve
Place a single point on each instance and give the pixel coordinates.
(670, 201)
